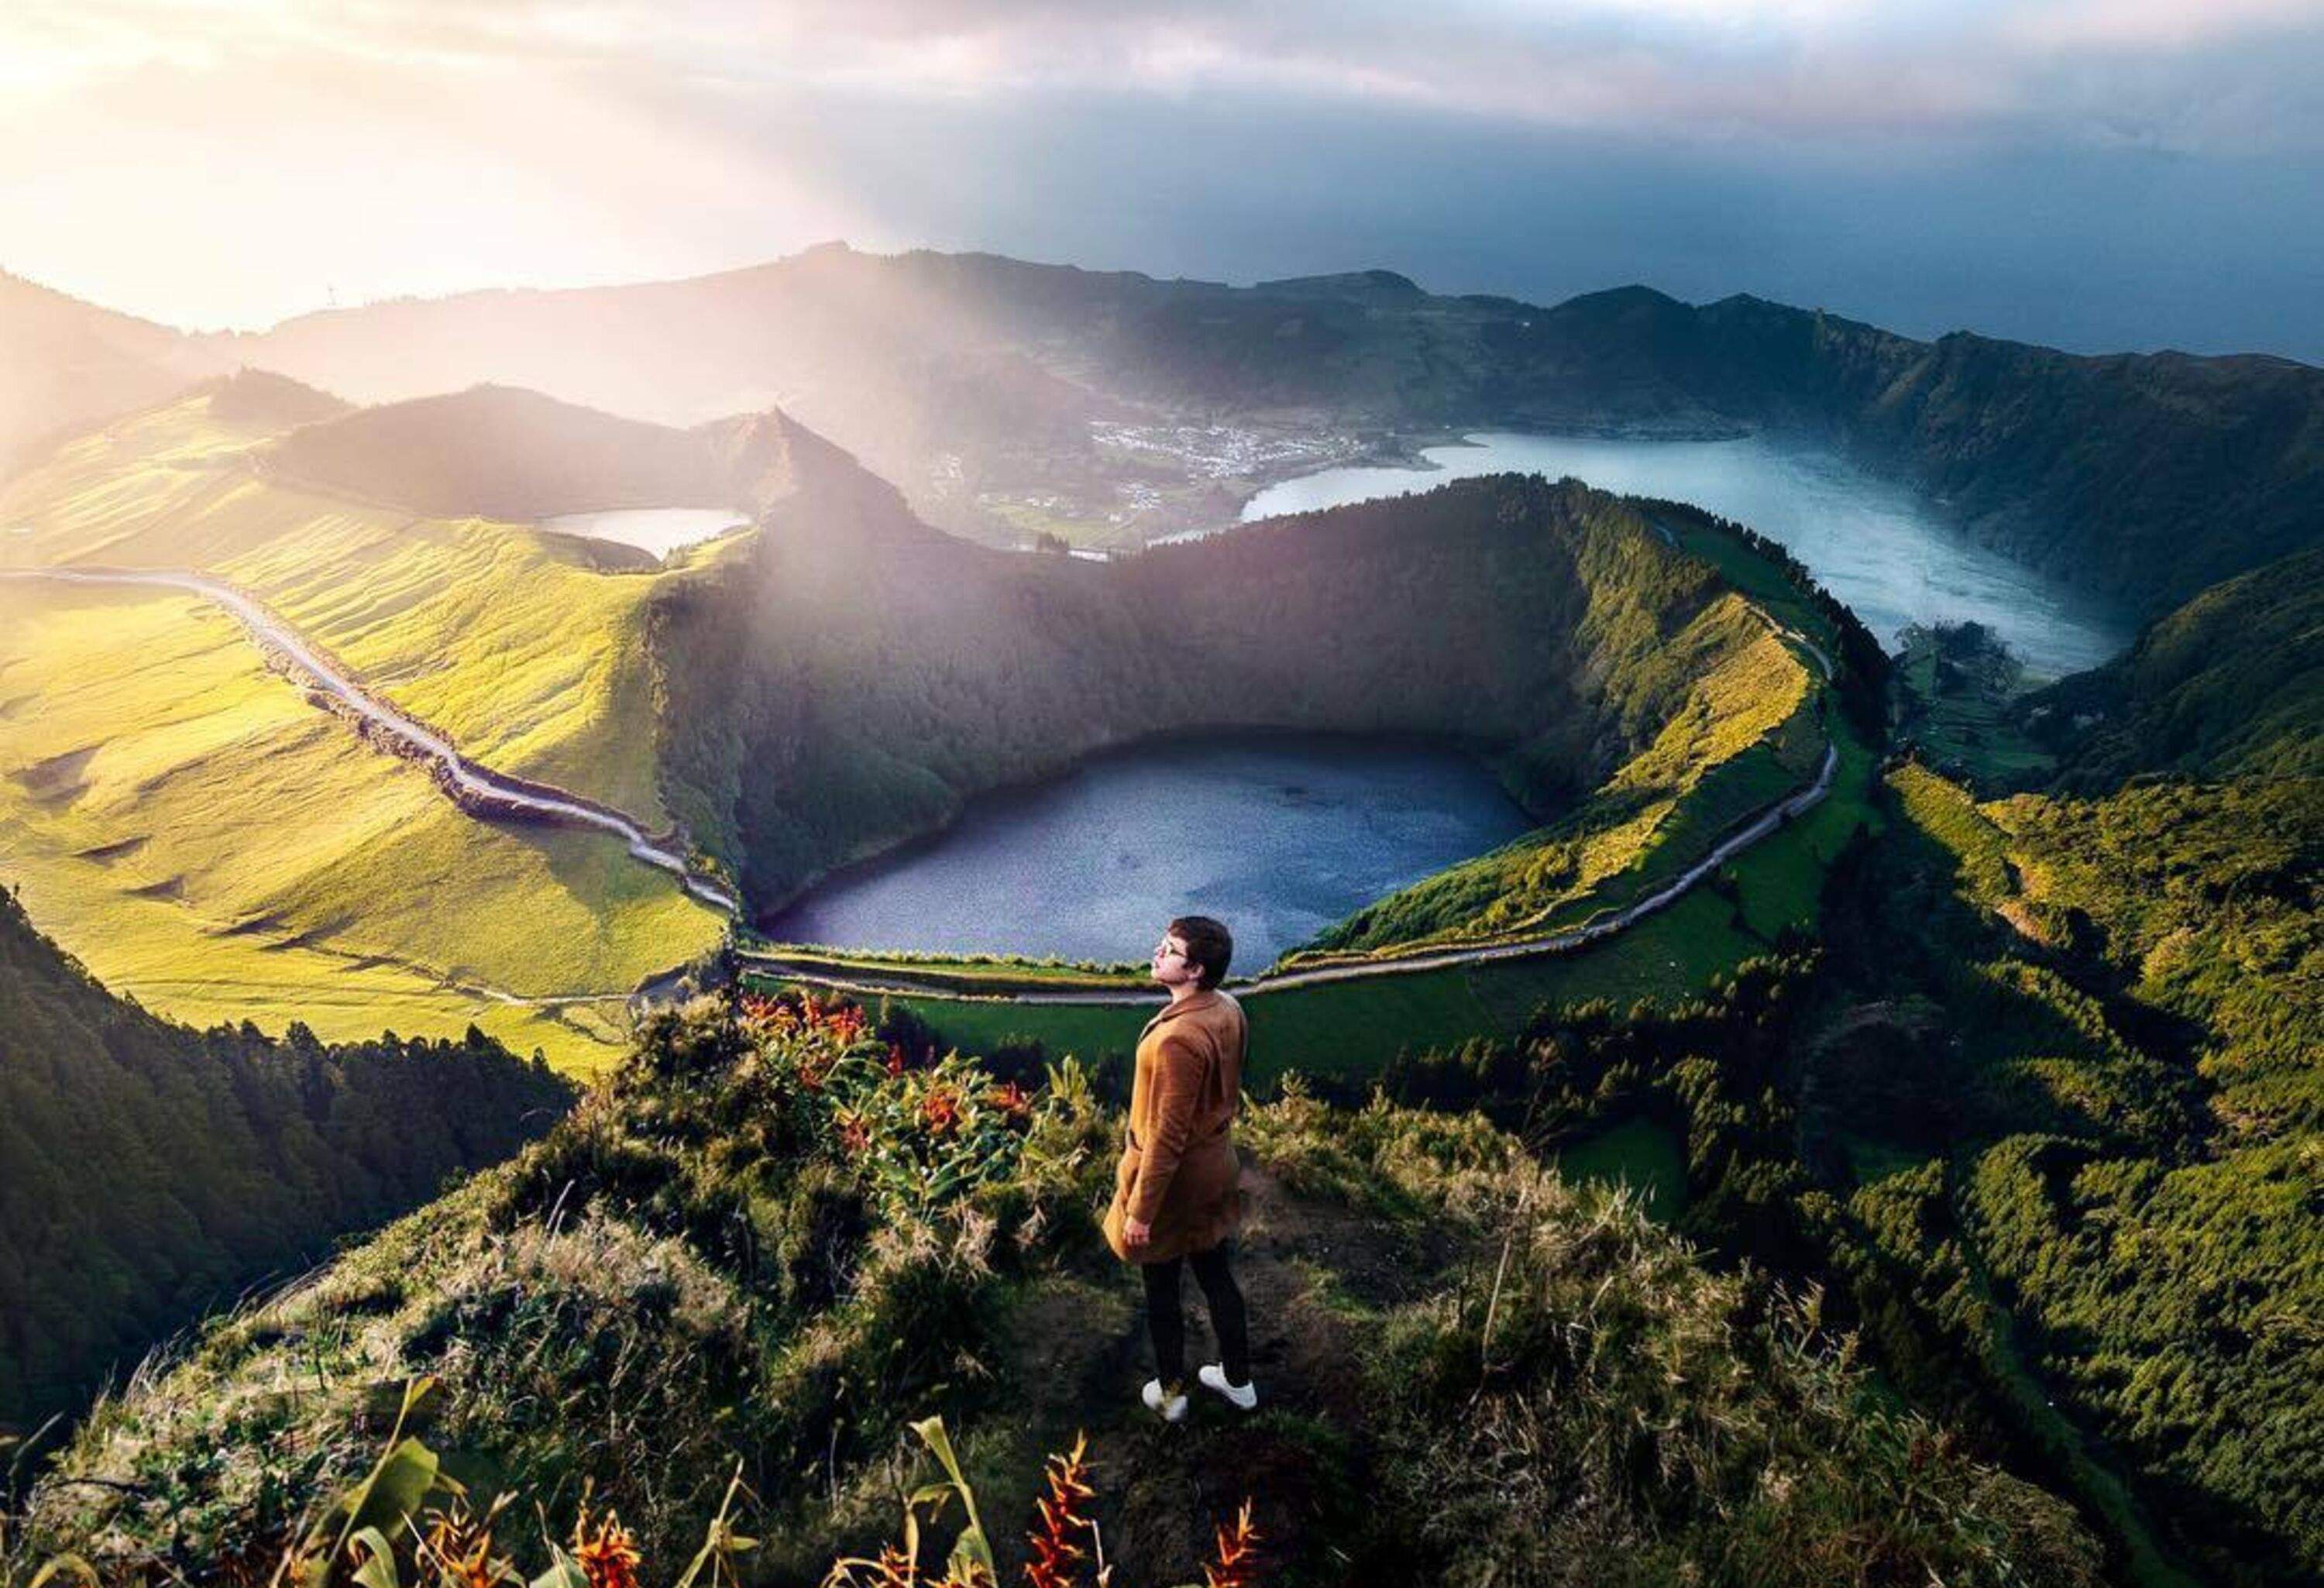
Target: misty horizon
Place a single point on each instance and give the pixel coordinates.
(1903, 325)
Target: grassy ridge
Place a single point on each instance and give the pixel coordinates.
(750, 1244)
(213, 845)
(1741, 736)
(523, 652)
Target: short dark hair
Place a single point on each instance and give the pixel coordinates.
(1209, 947)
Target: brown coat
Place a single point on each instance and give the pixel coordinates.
(1178, 1169)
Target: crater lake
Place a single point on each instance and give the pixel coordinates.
(1278, 836)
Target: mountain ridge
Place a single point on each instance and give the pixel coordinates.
(973, 380)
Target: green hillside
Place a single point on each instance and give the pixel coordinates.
(515, 456)
(755, 1254)
(2231, 684)
(185, 820)
(2067, 1094)
(150, 1173)
(71, 364)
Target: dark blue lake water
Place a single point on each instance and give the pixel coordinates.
(1277, 836)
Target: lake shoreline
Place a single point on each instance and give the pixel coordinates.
(1004, 803)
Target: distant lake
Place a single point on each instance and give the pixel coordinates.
(659, 529)
(1279, 836)
(1876, 546)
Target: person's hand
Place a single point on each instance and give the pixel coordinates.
(1135, 1233)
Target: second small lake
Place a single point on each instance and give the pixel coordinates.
(1278, 836)
(659, 529)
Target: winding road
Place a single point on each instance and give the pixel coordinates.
(479, 783)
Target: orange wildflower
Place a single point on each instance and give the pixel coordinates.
(608, 1557)
(893, 1569)
(459, 1546)
(1061, 1519)
(1010, 1099)
(1238, 1564)
(940, 1110)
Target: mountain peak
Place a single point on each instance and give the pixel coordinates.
(1346, 281)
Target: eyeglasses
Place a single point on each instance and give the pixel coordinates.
(1163, 950)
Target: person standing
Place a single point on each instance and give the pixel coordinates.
(1176, 1197)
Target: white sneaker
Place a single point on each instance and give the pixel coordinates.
(1170, 1408)
(1242, 1396)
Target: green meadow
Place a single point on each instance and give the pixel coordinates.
(207, 840)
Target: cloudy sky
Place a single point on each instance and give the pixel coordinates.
(2094, 174)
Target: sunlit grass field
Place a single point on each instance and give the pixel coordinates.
(504, 639)
(1746, 734)
(207, 841)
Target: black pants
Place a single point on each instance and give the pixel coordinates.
(1169, 1324)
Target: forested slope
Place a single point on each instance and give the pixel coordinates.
(2230, 684)
(2073, 1076)
(149, 1173)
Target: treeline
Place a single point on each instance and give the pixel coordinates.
(861, 675)
(1863, 665)
(150, 1173)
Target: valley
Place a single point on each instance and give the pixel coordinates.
(1887, 843)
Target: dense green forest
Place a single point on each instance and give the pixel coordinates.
(2043, 1107)
(150, 1174)
(725, 1287)
(872, 673)
(2073, 1071)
